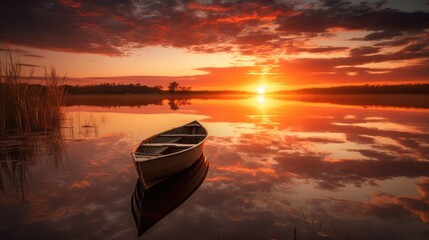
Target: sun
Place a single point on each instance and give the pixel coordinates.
(261, 90)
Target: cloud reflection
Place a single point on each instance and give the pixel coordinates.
(258, 170)
(328, 171)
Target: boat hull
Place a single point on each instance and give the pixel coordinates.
(153, 171)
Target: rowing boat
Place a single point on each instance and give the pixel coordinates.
(149, 206)
(164, 154)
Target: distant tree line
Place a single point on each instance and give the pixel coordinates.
(112, 88)
(175, 88)
(369, 89)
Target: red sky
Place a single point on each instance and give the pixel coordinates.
(213, 44)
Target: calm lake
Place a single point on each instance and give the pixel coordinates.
(350, 167)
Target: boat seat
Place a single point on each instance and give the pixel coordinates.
(174, 140)
(193, 125)
(167, 145)
(156, 152)
(183, 135)
(147, 154)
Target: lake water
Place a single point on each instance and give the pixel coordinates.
(314, 168)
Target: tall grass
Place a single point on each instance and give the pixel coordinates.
(29, 104)
(30, 121)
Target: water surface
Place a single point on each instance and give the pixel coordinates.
(320, 168)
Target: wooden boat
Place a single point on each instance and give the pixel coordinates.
(149, 206)
(169, 152)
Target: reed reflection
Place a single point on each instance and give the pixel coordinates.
(151, 205)
(83, 125)
(19, 154)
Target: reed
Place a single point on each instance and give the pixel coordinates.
(29, 104)
(30, 122)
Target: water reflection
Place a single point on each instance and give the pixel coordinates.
(151, 205)
(317, 168)
(277, 166)
(83, 125)
(18, 154)
(113, 101)
(176, 103)
(363, 100)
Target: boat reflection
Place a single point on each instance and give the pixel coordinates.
(149, 206)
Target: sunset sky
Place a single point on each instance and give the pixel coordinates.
(217, 45)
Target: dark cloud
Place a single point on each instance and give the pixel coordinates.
(360, 139)
(265, 29)
(115, 26)
(53, 25)
(362, 16)
(319, 49)
(112, 27)
(381, 35)
(257, 38)
(335, 70)
(416, 47)
(364, 51)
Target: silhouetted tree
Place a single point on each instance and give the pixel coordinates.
(173, 86)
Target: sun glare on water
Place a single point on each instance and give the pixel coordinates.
(261, 90)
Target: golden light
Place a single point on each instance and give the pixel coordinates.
(261, 90)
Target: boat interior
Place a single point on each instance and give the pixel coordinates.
(172, 141)
(192, 128)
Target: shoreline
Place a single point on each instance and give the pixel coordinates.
(420, 101)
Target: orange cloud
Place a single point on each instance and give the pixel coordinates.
(71, 3)
(217, 179)
(247, 170)
(205, 7)
(80, 185)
